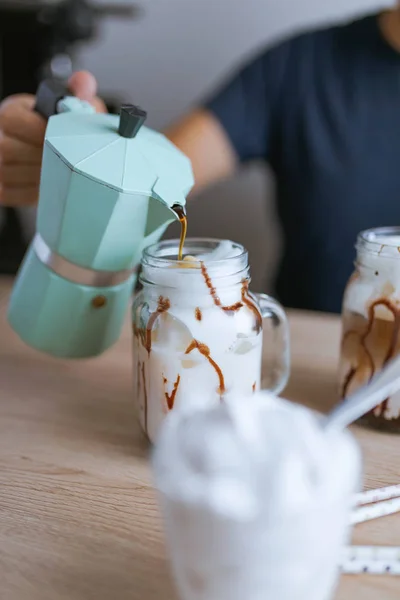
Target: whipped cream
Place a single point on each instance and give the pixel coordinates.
(256, 498)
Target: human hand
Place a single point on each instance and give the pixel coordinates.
(22, 133)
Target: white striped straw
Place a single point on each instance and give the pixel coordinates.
(371, 496)
(382, 509)
(369, 559)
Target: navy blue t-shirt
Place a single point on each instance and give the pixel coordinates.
(324, 110)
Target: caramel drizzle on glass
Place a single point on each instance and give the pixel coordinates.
(384, 246)
(247, 301)
(213, 292)
(205, 351)
(347, 381)
(138, 375)
(137, 332)
(163, 306)
(146, 407)
(170, 398)
(363, 340)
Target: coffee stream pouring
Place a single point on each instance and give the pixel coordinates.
(108, 188)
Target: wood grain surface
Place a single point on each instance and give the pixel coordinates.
(78, 516)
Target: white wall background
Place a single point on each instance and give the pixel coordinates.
(176, 52)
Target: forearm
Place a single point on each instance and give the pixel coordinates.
(200, 136)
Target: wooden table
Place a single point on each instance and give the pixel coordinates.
(78, 518)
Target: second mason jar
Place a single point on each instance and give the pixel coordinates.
(198, 331)
(371, 320)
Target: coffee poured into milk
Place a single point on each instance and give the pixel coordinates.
(181, 214)
(198, 330)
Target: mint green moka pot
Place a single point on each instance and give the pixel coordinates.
(107, 190)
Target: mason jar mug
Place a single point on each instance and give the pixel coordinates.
(198, 330)
(371, 320)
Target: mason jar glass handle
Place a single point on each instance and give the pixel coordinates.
(276, 344)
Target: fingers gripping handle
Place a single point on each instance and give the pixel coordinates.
(53, 97)
(276, 345)
(49, 94)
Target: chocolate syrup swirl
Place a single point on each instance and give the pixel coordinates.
(205, 351)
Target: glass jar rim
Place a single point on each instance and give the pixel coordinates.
(161, 256)
(372, 241)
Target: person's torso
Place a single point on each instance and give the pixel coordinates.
(336, 157)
